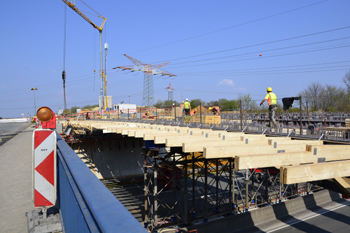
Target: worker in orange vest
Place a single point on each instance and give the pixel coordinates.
(214, 110)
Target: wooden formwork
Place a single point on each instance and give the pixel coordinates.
(299, 160)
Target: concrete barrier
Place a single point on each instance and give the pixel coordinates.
(11, 120)
(269, 213)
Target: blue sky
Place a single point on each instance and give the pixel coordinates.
(213, 47)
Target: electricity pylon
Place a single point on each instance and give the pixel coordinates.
(149, 71)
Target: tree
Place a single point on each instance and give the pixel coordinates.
(247, 102)
(227, 105)
(158, 104)
(196, 102)
(66, 111)
(74, 109)
(90, 106)
(213, 103)
(312, 94)
(168, 103)
(346, 80)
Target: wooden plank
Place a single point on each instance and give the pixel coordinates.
(140, 134)
(141, 131)
(162, 139)
(178, 141)
(343, 183)
(313, 172)
(320, 148)
(152, 135)
(273, 160)
(131, 132)
(230, 141)
(290, 158)
(199, 147)
(230, 134)
(233, 151)
(285, 142)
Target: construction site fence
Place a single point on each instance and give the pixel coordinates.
(320, 125)
(292, 129)
(79, 198)
(153, 113)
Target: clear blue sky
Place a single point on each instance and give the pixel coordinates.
(213, 47)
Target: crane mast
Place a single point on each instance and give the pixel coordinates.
(71, 4)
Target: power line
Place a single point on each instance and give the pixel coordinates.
(277, 67)
(247, 59)
(262, 51)
(264, 43)
(227, 28)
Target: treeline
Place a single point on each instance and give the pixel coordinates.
(327, 97)
(224, 104)
(74, 108)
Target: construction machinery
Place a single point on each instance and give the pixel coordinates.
(71, 4)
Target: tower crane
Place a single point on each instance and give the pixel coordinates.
(71, 4)
(149, 71)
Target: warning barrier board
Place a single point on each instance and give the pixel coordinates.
(44, 163)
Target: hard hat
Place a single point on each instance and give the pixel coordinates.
(209, 108)
(269, 89)
(182, 101)
(186, 99)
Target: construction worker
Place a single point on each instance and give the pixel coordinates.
(187, 107)
(272, 102)
(182, 107)
(214, 110)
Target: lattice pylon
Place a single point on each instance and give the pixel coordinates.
(149, 71)
(148, 91)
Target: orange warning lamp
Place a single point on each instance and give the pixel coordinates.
(47, 118)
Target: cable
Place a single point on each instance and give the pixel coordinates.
(247, 59)
(264, 43)
(64, 56)
(262, 51)
(313, 64)
(91, 8)
(237, 25)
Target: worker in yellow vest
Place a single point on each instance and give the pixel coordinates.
(272, 102)
(187, 107)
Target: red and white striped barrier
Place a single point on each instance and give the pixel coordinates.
(44, 159)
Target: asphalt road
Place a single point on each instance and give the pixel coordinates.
(9, 130)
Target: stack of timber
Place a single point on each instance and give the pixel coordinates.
(178, 112)
(206, 119)
(298, 160)
(347, 122)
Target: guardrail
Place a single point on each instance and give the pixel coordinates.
(85, 204)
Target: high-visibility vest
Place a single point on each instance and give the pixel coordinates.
(187, 105)
(271, 98)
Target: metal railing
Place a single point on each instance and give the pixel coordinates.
(85, 204)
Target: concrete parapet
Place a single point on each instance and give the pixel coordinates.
(266, 214)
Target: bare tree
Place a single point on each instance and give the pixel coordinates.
(247, 102)
(312, 94)
(346, 80)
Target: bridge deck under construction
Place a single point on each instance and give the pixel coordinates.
(193, 173)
